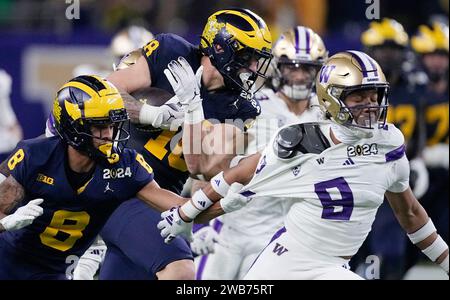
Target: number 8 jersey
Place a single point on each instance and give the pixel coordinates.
(336, 189)
(72, 218)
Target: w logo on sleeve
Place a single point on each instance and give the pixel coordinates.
(279, 249)
(325, 73)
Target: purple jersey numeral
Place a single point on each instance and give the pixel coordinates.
(329, 205)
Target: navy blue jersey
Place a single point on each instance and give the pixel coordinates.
(170, 167)
(437, 117)
(406, 110)
(72, 218)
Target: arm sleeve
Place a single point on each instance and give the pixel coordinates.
(400, 172)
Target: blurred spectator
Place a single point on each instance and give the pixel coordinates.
(10, 131)
(431, 43)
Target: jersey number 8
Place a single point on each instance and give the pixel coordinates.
(65, 228)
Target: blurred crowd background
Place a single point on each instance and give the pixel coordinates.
(39, 44)
(40, 47)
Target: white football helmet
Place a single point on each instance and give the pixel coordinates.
(299, 47)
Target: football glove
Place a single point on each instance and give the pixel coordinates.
(167, 116)
(185, 83)
(172, 225)
(23, 216)
(205, 240)
(233, 200)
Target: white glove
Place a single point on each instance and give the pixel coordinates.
(90, 261)
(166, 116)
(233, 200)
(23, 216)
(185, 83)
(419, 174)
(172, 226)
(204, 241)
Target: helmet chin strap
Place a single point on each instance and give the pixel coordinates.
(349, 134)
(106, 149)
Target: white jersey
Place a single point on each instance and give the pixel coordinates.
(268, 212)
(337, 192)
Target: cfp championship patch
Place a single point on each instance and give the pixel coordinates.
(365, 149)
(117, 173)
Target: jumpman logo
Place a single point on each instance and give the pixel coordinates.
(235, 103)
(107, 188)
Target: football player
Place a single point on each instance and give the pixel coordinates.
(66, 187)
(337, 174)
(124, 43)
(229, 64)
(387, 42)
(288, 98)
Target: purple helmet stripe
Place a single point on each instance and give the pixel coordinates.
(360, 62)
(308, 48)
(367, 64)
(373, 66)
(296, 33)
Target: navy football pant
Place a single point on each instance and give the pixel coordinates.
(136, 249)
(17, 266)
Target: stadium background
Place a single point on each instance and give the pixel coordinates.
(40, 46)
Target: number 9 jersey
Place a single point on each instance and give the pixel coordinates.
(72, 218)
(337, 189)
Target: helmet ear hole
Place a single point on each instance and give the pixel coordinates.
(218, 49)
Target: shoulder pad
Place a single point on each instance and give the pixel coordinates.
(303, 138)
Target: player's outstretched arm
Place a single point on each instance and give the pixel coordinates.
(11, 193)
(415, 221)
(204, 204)
(159, 198)
(133, 78)
(137, 77)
